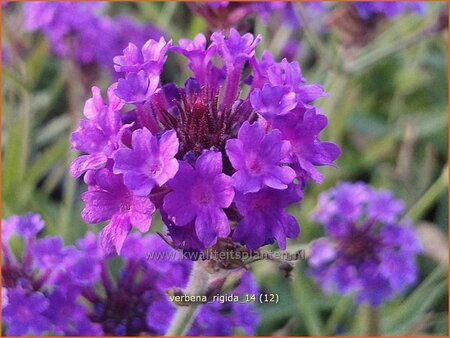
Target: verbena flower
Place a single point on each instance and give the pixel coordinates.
(369, 249)
(83, 291)
(32, 282)
(189, 150)
(109, 199)
(82, 32)
(258, 158)
(264, 217)
(200, 194)
(389, 10)
(358, 23)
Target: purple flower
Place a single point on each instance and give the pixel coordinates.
(368, 250)
(201, 194)
(390, 10)
(80, 31)
(99, 135)
(65, 297)
(39, 301)
(198, 55)
(273, 101)
(150, 58)
(137, 87)
(235, 49)
(265, 218)
(24, 313)
(301, 129)
(49, 252)
(176, 148)
(257, 158)
(110, 199)
(149, 163)
(28, 225)
(137, 303)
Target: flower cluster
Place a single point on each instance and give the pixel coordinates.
(358, 23)
(389, 10)
(81, 32)
(32, 298)
(81, 291)
(369, 250)
(221, 157)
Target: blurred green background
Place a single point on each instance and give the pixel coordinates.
(387, 110)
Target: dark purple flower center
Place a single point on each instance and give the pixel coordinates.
(154, 168)
(255, 165)
(359, 246)
(200, 121)
(262, 202)
(202, 196)
(126, 202)
(11, 274)
(122, 309)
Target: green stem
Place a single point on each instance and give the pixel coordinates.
(429, 197)
(337, 120)
(331, 61)
(369, 59)
(280, 38)
(185, 315)
(167, 12)
(338, 314)
(372, 321)
(75, 93)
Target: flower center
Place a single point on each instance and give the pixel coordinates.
(11, 275)
(202, 196)
(254, 165)
(123, 311)
(199, 120)
(262, 202)
(154, 168)
(359, 246)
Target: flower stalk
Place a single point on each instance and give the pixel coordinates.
(429, 197)
(185, 315)
(372, 321)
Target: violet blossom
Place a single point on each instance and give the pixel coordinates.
(77, 295)
(369, 251)
(187, 151)
(82, 32)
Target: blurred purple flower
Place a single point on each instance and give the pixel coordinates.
(24, 313)
(368, 250)
(28, 226)
(80, 30)
(390, 10)
(77, 295)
